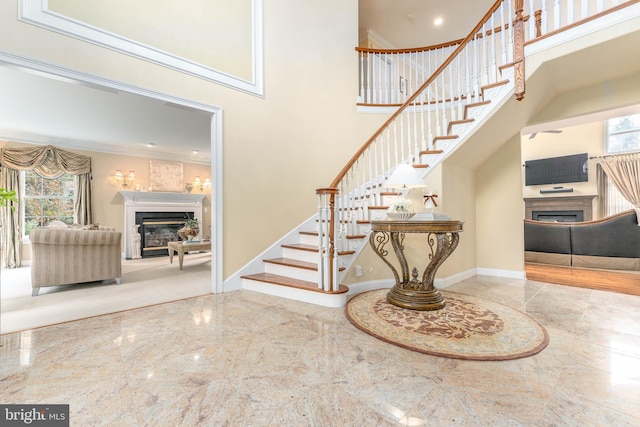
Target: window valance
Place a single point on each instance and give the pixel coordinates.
(47, 161)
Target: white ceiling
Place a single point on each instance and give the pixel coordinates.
(38, 108)
(409, 23)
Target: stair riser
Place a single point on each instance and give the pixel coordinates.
(299, 255)
(293, 272)
(307, 239)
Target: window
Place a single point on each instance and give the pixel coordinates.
(47, 199)
(623, 134)
(616, 202)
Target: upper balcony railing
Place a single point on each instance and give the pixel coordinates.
(388, 77)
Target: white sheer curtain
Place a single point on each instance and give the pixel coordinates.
(624, 173)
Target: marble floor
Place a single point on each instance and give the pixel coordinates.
(247, 359)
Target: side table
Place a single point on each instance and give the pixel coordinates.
(413, 292)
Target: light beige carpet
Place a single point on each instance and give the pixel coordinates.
(467, 327)
(145, 282)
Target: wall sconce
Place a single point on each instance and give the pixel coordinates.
(124, 180)
(197, 183)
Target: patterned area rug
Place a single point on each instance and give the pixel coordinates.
(468, 327)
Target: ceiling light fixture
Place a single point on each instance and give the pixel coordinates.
(150, 144)
(195, 152)
(438, 21)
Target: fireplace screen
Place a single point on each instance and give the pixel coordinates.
(157, 229)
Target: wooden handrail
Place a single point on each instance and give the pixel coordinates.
(409, 100)
(411, 49)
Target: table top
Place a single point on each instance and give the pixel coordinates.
(417, 226)
(190, 246)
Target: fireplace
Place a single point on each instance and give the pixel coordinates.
(167, 210)
(559, 209)
(157, 229)
(558, 216)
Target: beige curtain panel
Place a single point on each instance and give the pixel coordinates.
(624, 173)
(47, 161)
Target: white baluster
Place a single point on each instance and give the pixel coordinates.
(556, 15)
(436, 104)
(361, 95)
(451, 93)
(569, 12)
(423, 107)
(416, 148)
(494, 67)
(429, 126)
(483, 55)
(380, 80)
(476, 69)
(503, 33)
(584, 9)
(320, 247)
(510, 19)
(460, 90)
(599, 6)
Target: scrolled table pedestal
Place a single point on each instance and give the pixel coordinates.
(411, 292)
(416, 300)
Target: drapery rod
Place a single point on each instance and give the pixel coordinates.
(612, 155)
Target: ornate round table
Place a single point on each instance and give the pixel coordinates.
(412, 292)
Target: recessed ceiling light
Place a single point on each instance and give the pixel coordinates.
(195, 152)
(150, 144)
(438, 21)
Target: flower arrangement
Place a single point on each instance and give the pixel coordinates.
(191, 222)
(401, 205)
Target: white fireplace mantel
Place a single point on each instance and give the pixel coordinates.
(142, 201)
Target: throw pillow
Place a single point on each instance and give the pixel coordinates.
(91, 227)
(56, 223)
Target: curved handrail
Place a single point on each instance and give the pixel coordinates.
(417, 93)
(411, 49)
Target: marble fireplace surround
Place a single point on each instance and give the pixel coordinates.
(141, 201)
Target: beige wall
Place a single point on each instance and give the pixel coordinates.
(108, 204)
(276, 150)
(215, 33)
(499, 210)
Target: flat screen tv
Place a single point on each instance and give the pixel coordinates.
(557, 170)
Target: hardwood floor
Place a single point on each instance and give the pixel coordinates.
(607, 280)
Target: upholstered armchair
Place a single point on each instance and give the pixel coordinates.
(63, 256)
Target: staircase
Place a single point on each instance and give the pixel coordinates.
(483, 72)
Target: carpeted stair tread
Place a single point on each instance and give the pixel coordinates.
(290, 282)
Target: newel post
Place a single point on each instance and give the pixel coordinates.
(326, 238)
(518, 50)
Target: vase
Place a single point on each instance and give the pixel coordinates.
(188, 233)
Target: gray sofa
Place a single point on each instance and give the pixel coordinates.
(611, 243)
(63, 256)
